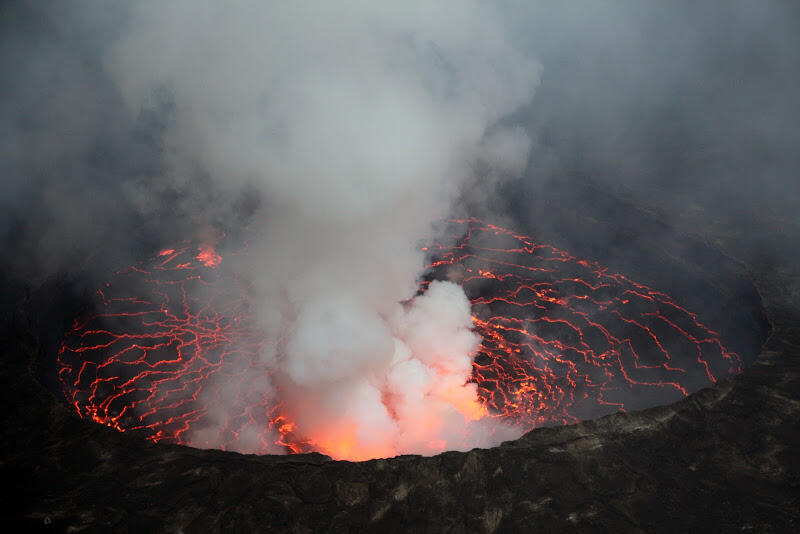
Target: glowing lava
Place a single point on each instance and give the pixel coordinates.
(563, 340)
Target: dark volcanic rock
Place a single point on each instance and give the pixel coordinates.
(724, 458)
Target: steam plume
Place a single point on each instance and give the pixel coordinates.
(358, 122)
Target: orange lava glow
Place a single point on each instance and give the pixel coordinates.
(342, 443)
(564, 339)
(208, 256)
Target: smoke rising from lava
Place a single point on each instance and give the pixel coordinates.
(358, 123)
(340, 133)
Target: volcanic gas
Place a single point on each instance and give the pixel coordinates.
(563, 339)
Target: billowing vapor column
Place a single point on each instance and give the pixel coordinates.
(358, 123)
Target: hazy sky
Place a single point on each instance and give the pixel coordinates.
(696, 99)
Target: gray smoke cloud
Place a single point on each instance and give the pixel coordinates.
(686, 107)
(341, 132)
(358, 123)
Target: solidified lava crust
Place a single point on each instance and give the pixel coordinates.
(564, 339)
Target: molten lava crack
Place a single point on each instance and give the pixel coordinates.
(564, 339)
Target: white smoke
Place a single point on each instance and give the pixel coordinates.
(358, 122)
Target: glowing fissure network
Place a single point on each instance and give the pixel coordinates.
(563, 340)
